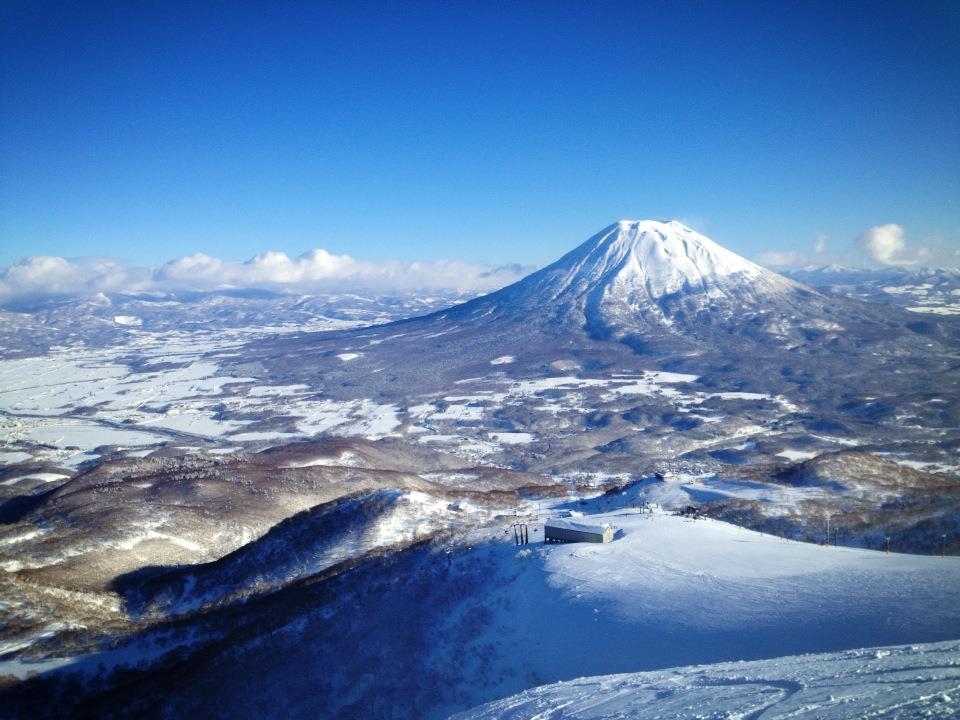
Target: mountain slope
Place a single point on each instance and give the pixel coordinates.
(539, 361)
(657, 290)
(425, 632)
(642, 275)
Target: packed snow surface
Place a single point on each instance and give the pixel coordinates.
(671, 592)
(706, 573)
(916, 681)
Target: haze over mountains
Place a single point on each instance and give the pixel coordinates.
(204, 482)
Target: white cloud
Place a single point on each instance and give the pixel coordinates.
(316, 270)
(52, 272)
(888, 245)
(820, 244)
(782, 259)
(197, 268)
(882, 244)
(885, 244)
(46, 275)
(790, 259)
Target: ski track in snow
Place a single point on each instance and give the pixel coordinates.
(913, 681)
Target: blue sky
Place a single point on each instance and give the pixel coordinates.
(481, 131)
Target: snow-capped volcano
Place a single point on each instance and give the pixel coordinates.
(637, 275)
(652, 259)
(636, 295)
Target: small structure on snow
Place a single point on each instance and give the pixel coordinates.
(577, 530)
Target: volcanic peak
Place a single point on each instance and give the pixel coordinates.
(651, 258)
(642, 276)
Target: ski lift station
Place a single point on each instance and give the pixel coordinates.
(577, 530)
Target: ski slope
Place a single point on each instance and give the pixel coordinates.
(672, 592)
(446, 626)
(909, 681)
(710, 574)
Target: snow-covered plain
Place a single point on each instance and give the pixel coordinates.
(63, 406)
(59, 408)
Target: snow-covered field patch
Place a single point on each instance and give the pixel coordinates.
(513, 438)
(69, 442)
(344, 459)
(796, 455)
(739, 396)
(43, 477)
(11, 457)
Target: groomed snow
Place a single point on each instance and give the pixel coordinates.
(913, 681)
(670, 592)
(664, 563)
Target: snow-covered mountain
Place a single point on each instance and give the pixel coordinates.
(638, 293)
(31, 326)
(639, 297)
(636, 263)
(643, 275)
(441, 626)
(372, 572)
(923, 291)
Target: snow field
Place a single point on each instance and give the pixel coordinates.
(671, 592)
(42, 394)
(670, 558)
(43, 477)
(557, 396)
